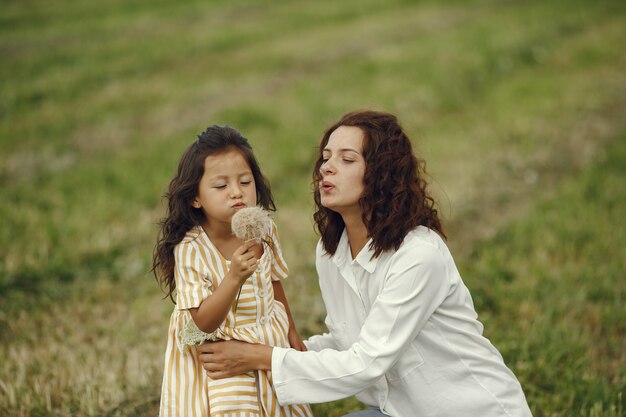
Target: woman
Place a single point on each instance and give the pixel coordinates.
(403, 333)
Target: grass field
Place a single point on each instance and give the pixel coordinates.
(518, 107)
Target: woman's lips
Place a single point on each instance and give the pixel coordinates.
(327, 186)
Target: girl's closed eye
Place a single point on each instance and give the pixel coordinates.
(220, 186)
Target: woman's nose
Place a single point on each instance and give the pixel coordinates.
(327, 167)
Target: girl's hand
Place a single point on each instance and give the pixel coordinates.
(295, 340)
(244, 262)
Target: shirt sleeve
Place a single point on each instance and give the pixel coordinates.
(321, 341)
(192, 286)
(415, 285)
(279, 266)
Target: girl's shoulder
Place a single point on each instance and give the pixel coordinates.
(192, 235)
(191, 239)
(196, 248)
(273, 228)
(273, 235)
(194, 232)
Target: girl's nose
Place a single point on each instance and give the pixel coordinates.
(235, 192)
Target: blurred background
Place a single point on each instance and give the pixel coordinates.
(519, 108)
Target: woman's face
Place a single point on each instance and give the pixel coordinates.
(342, 170)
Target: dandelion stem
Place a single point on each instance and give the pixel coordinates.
(237, 301)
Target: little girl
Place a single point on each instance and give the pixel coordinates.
(225, 288)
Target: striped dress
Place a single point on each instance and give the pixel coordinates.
(186, 390)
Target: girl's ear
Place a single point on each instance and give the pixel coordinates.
(196, 203)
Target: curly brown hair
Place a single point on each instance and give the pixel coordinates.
(181, 216)
(395, 199)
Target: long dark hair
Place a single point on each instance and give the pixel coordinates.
(181, 216)
(395, 199)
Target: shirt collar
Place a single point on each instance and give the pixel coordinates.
(365, 258)
(342, 254)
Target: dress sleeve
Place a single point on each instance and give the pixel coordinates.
(415, 285)
(192, 285)
(279, 266)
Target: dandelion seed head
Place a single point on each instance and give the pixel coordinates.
(251, 223)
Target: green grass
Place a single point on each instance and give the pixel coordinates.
(550, 288)
(510, 102)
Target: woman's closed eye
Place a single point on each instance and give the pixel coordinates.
(348, 160)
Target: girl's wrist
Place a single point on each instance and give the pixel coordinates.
(293, 329)
(232, 279)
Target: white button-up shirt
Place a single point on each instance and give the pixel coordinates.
(403, 336)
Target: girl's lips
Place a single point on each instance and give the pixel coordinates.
(239, 206)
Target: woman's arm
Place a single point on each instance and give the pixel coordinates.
(414, 287)
(213, 309)
(231, 358)
(321, 341)
(415, 284)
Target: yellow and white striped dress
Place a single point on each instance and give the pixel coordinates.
(186, 390)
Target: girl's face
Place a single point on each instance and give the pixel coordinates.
(226, 186)
(342, 170)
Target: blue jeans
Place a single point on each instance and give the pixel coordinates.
(370, 412)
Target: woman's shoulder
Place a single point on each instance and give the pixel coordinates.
(319, 247)
(423, 243)
(422, 250)
(424, 235)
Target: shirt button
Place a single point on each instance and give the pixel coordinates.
(263, 320)
(262, 293)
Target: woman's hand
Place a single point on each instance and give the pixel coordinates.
(231, 358)
(295, 341)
